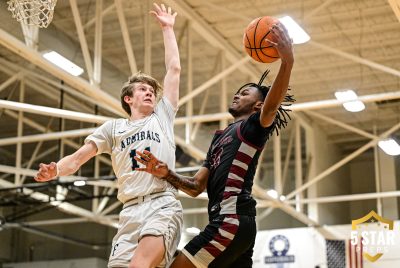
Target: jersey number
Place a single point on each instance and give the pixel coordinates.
(133, 154)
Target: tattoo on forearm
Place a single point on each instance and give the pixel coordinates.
(181, 182)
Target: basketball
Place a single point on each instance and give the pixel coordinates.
(254, 40)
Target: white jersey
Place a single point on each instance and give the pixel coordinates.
(121, 138)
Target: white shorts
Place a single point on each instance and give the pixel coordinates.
(159, 216)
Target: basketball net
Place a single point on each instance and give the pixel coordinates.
(33, 12)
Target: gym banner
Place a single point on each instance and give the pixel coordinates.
(289, 248)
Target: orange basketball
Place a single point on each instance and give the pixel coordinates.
(254, 40)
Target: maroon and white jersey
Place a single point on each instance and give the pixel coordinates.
(232, 160)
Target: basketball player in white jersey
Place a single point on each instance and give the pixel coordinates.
(151, 219)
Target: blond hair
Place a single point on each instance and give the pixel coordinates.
(139, 77)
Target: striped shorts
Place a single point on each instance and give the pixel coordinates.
(227, 241)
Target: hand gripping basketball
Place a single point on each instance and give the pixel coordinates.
(152, 164)
(283, 43)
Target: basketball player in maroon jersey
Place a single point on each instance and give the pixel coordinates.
(229, 169)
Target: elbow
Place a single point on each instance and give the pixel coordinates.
(175, 68)
(198, 190)
(195, 193)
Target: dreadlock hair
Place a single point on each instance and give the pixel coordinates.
(282, 115)
(139, 77)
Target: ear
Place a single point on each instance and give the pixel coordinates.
(257, 107)
(128, 99)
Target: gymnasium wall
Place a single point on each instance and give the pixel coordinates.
(321, 154)
(387, 171)
(362, 174)
(336, 183)
(277, 220)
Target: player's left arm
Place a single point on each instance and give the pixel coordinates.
(172, 62)
(279, 87)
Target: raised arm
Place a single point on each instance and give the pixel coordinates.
(280, 85)
(193, 186)
(67, 165)
(172, 62)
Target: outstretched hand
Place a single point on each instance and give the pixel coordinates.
(283, 44)
(46, 172)
(152, 164)
(163, 15)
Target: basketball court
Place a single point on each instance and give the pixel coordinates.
(327, 187)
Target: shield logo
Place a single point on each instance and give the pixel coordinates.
(383, 225)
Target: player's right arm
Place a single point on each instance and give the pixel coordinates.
(67, 165)
(193, 186)
(280, 85)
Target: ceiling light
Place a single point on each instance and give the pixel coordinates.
(79, 183)
(282, 198)
(354, 106)
(297, 33)
(389, 146)
(63, 63)
(351, 103)
(346, 95)
(272, 193)
(193, 230)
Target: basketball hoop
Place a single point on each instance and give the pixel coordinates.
(33, 12)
